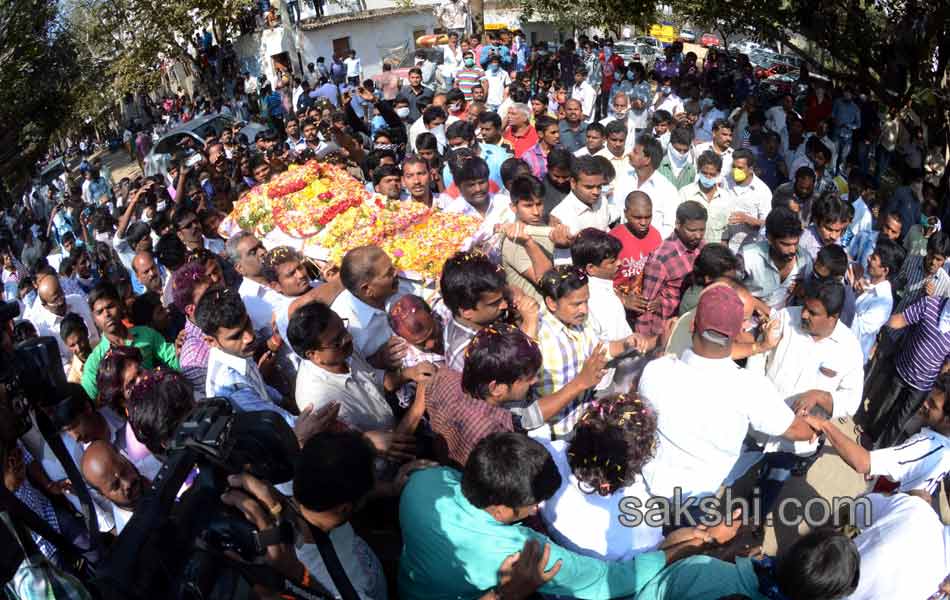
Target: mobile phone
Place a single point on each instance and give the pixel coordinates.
(193, 160)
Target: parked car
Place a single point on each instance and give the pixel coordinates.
(710, 40)
(791, 59)
(687, 36)
(771, 67)
(649, 41)
(168, 145)
(641, 53)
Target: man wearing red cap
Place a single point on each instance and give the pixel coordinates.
(705, 403)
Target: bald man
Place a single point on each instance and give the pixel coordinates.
(371, 284)
(50, 308)
(115, 479)
(148, 272)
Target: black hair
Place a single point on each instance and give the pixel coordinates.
(585, 165)
(490, 116)
(171, 251)
(24, 330)
(71, 324)
(306, 325)
(561, 281)
(334, 468)
(375, 158)
(661, 116)
(939, 244)
(136, 232)
(543, 122)
(593, 246)
(615, 126)
(713, 262)
(385, 171)
(502, 354)
(891, 255)
(744, 153)
(721, 124)
(782, 222)
(104, 291)
(180, 213)
(426, 141)
(598, 128)
(217, 309)
(489, 480)
(461, 129)
(526, 187)
(470, 170)
(431, 113)
(805, 173)
(465, 277)
(830, 208)
(829, 293)
(559, 158)
(708, 158)
(652, 148)
(159, 409)
(835, 258)
(74, 403)
(822, 149)
(143, 308)
(682, 135)
(822, 565)
(691, 211)
(511, 168)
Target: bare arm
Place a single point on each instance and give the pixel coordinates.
(897, 321)
(127, 215)
(799, 431)
(325, 293)
(850, 452)
(590, 375)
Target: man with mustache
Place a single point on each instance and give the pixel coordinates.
(774, 265)
(116, 479)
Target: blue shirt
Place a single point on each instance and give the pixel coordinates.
(239, 380)
(501, 51)
(845, 113)
(451, 549)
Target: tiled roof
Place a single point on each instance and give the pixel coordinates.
(365, 15)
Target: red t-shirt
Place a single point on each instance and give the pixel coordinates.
(635, 250)
(521, 144)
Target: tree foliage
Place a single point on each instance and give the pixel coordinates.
(38, 63)
(609, 15)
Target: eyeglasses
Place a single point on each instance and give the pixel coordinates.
(339, 342)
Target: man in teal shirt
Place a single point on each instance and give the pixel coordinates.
(457, 528)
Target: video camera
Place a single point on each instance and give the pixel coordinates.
(174, 546)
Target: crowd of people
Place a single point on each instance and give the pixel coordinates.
(679, 287)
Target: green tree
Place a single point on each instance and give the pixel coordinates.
(610, 15)
(38, 62)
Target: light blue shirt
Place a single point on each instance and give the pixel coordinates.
(239, 380)
(451, 549)
(845, 113)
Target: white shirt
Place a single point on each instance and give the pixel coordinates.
(368, 325)
(359, 392)
(905, 553)
(633, 124)
(704, 409)
(418, 128)
(863, 220)
(726, 157)
(605, 311)
(353, 67)
(672, 103)
(754, 199)
(497, 82)
(872, 309)
(588, 523)
(498, 212)
(920, 463)
(47, 323)
(239, 380)
(586, 95)
(360, 564)
(260, 302)
(577, 216)
(451, 60)
(704, 126)
(799, 364)
(664, 195)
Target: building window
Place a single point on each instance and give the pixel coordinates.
(341, 46)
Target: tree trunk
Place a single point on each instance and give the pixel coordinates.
(477, 11)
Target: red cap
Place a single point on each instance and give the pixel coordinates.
(719, 310)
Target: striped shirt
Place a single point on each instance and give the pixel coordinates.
(925, 349)
(912, 272)
(467, 79)
(564, 349)
(920, 463)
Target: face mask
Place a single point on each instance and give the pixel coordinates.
(455, 107)
(706, 182)
(469, 62)
(385, 147)
(453, 148)
(493, 68)
(630, 75)
(622, 113)
(160, 206)
(678, 158)
(666, 90)
(105, 238)
(738, 175)
(439, 133)
(402, 112)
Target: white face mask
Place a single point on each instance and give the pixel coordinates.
(105, 238)
(455, 107)
(620, 114)
(678, 158)
(439, 132)
(402, 112)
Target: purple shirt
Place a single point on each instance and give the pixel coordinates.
(193, 358)
(925, 348)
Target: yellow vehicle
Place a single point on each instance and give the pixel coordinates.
(664, 33)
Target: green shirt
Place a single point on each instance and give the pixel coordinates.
(687, 174)
(703, 578)
(155, 351)
(453, 550)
